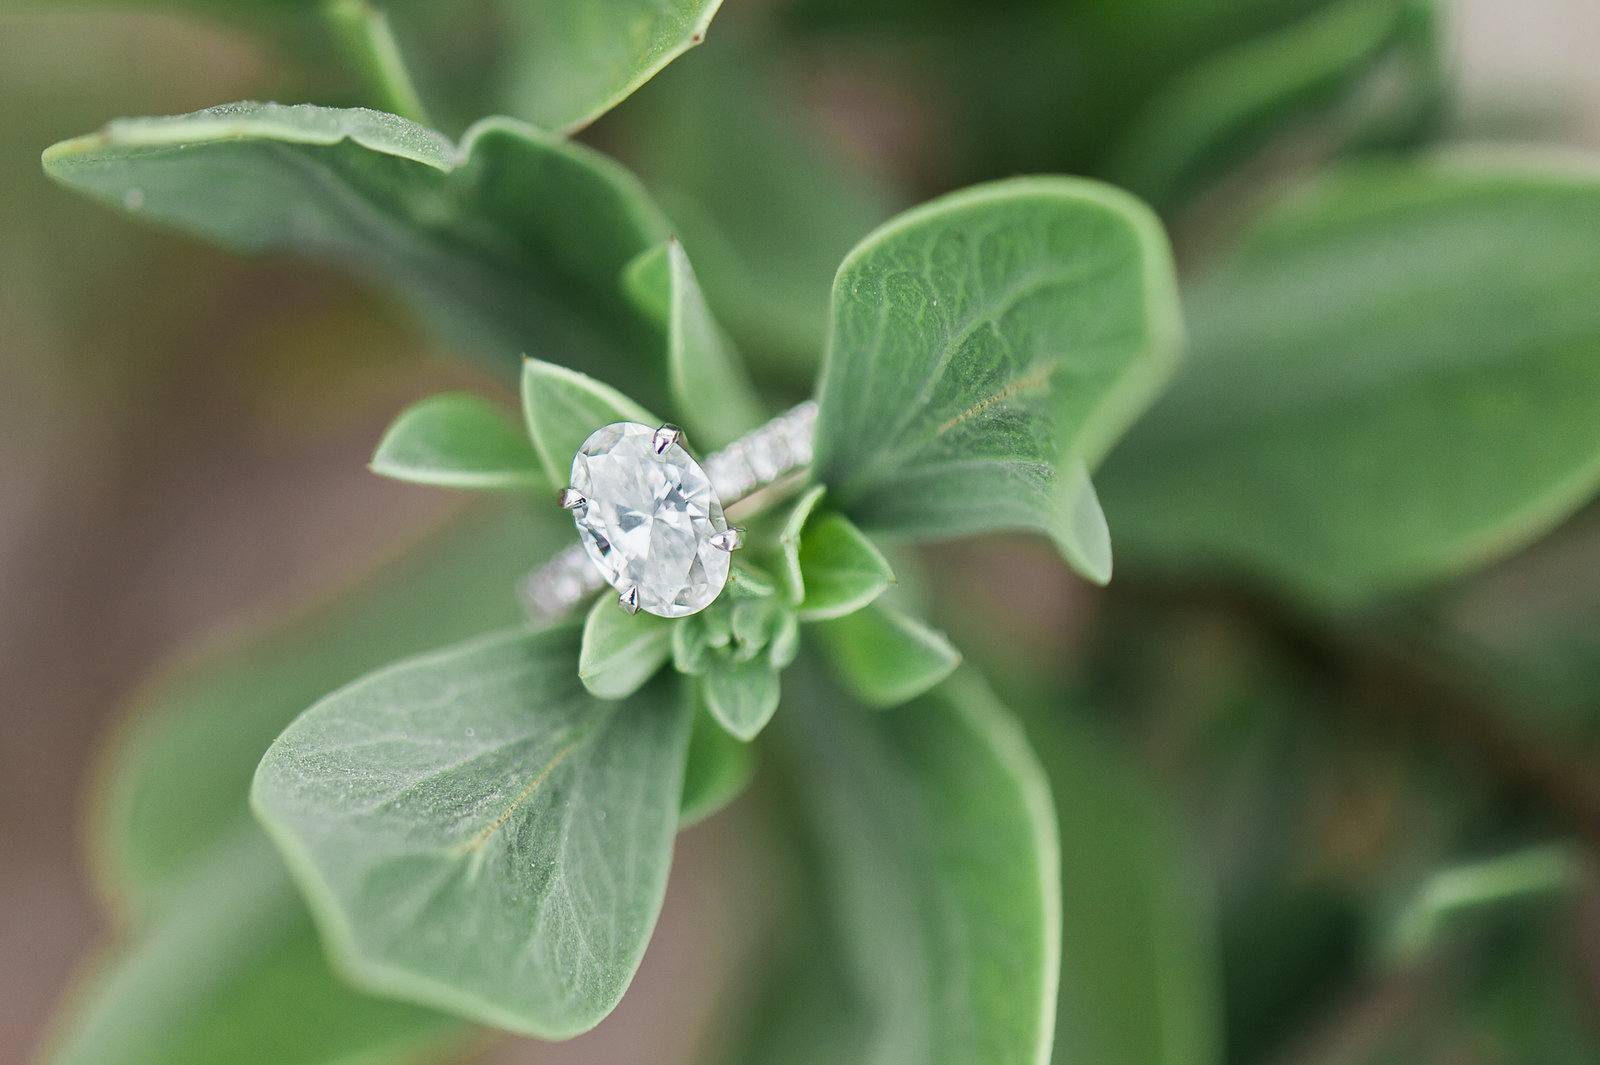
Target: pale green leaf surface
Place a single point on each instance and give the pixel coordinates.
(766, 205)
(710, 389)
(177, 782)
(459, 441)
(620, 650)
(222, 947)
(887, 657)
(841, 570)
(767, 625)
(794, 523)
(574, 60)
(648, 282)
(556, 63)
(1139, 973)
(747, 582)
(718, 768)
(1397, 378)
(563, 407)
(476, 832)
(370, 46)
(736, 649)
(936, 851)
(742, 694)
(511, 243)
(235, 973)
(985, 347)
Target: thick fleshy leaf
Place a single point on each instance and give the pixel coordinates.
(742, 694)
(570, 61)
(718, 768)
(235, 973)
(1225, 109)
(736, 648)
(935, 851)
(178, 781)
(765, 205)
(841, 570)
(794, 523)
(1139, 973)
(370, 46)
(222, 947)
(986, 348)
(887, 657)
(511, 243)
(620, 650)
(1397, 378)
(476, 832)
(710, 388)
(457, 440)
(562, 407)
(750, 598)
(556, 63)
(1139, 977)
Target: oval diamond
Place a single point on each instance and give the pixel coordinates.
(648, 519)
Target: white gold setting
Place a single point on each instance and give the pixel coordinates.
(650, 518)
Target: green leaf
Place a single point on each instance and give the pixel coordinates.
(935, 843)
(765, 204)
(370, 44)
(841, 570)
(559, 64)
(1139, 972)
(744, 622)
(886, 657)
(574, 60)
(1396, 378)
(1545, 869)
(719, 766)
(746, 582)
(235, 973)
(736, 648)
(512, 242)
(794, 585)
(709, 386)
(620, 650)
(458, 440)
(177, 784)
(742, 694)
(1231, 104)
(563, 407)
(475, 831)
(221, 946)
(986, 346)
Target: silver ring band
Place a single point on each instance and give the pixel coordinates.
(755, 461)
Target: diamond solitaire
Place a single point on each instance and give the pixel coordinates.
(649, 519)
(654, 528)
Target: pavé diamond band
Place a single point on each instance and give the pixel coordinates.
(650, 518)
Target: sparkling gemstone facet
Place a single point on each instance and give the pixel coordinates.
(648, 519)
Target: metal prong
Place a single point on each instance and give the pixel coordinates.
(666, 436)
(629, 600)
(730, 540)
(570, 498)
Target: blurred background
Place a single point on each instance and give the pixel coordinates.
(184, 437)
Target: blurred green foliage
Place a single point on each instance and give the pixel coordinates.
(1350, 651)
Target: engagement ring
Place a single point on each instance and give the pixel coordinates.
(651, 520)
